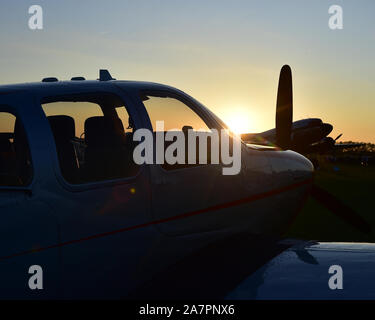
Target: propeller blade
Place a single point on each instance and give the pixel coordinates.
(338, 137)
(340, 209)
(284, 108)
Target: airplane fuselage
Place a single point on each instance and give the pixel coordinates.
(116, 234)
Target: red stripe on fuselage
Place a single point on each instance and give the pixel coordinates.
(176, 217)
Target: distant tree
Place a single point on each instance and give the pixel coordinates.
(366, 149)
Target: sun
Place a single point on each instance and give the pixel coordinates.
(238, 123)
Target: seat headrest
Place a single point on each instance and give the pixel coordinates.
(102, 130)
(63, 127)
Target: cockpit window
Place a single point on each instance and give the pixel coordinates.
(92, 141)
(174, 113)
(15, 159)
(168, 113)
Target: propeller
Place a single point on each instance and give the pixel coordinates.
(284, 108)
(328, 144)
(284, 118)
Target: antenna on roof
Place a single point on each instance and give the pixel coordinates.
(104, 75)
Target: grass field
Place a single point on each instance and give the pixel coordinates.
(355, 186)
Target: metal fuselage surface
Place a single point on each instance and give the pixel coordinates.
(104, 239)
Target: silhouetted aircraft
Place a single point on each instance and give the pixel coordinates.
(306, 135)
(74, 204)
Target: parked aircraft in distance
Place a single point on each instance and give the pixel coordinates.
(306, 136)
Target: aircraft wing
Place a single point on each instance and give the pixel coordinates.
(302, 272)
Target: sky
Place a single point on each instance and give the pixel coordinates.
(226, 54)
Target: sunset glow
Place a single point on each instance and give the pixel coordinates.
(238, 123)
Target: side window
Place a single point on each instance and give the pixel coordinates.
(176, 116)
(91, 141)
(78, 111)
(15, 159)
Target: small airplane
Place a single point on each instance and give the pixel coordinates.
(80, 215)
(306, 136)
